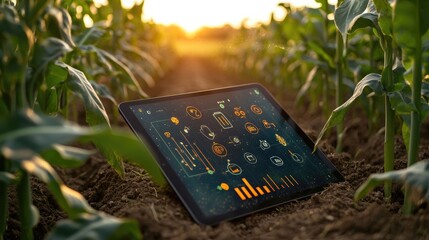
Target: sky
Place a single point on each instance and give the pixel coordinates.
(193, 14)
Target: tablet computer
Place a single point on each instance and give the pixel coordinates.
(229, 152)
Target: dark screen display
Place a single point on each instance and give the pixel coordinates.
(232, 151)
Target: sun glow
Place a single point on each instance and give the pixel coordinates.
(191, 15)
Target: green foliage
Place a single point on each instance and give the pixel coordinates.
(48, 57)
(373, 81)
(409, 30)
(27, 136)
(347, 14)
(95, 226)
(416, 177)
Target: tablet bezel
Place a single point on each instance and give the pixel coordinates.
(176, 182)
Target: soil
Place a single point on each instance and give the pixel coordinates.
(330, 214)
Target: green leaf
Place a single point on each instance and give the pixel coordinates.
(90, 35)
(133, 151)
(7, 177)
(47, 52)
(69, 200)
(28, 133)
(406, 27)
(11, 25)
(405, 130)
(56, 75)
(373, 81)
(48, 100)
(95, 226)
(103, 91)
(139, 72)
(345, 15)
(365, 20)
(116, 68)
(308, 83)
(401, 102)
(321, 53)
(37, 10)
(130, 49)
(59, 23)
(415, 176)
(78, 84)
(66, 156)
(385, 16)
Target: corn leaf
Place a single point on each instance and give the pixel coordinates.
(115, 67)
(365, 20)
(133, 50)
(59, 23)
(79, 84)
(308, 83)
(95, 226)
(28, 131)
(415, 176)
(72, 202)
(103, 91)
(132, 149)
(407, 29)
(345, 15)
(26, 134)
(373, 81)
(7, 177)
(66, 156)
(139, 72)
(125, 75)
(47, 52)
(90, 35)
(384, 10)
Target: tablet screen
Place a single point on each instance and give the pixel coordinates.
(229, 152)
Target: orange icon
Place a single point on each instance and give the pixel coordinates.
(251, 128)
(268, 124)
(281, 140)
(167, 134)
(224, 186)
(219, 149)
(256, 109)
(239, 113)
(174, 120)
(193, 112)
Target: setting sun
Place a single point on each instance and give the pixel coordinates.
(193, 14)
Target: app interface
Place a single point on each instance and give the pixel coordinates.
(232, 150)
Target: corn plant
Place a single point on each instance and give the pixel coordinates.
(378, 15)
(409, 33)
(350, 16)
(35, 78)
(31, 144)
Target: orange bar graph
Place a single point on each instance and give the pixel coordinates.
(252, 190)
(260, 190)
(240, 194)
(266, 189)
(246, 192)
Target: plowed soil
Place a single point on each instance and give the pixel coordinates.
(331, 214)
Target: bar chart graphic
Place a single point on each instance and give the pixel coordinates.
(248, 191)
